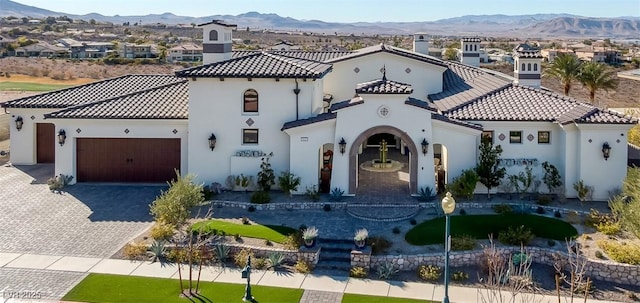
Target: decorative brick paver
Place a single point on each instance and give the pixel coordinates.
(316, 296)
(28, 284)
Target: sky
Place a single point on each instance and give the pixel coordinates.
(345, 10)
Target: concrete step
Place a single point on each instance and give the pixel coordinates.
(384, 213)
(335, 256)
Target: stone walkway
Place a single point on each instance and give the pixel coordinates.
(316, 296)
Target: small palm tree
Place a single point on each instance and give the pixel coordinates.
(566, 68)
(594, 76)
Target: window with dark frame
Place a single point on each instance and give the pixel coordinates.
(250, 136)
(544, 137)
(515, 136)
(487, 135)
(250, 101)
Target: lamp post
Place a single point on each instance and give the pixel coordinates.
(246, 274)
(448, 206)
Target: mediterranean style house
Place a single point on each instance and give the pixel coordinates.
(321, 116)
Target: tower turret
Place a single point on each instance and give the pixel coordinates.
(470, 51)
(421, 43)
(527, 65)
(216, 41)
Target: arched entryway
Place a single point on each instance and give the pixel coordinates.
(440, 166)
(382, 131)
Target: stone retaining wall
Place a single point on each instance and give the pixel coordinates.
(280, 205)
(596, 269)
(471, 205)
(309, 255)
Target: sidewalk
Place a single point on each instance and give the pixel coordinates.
(314, 285)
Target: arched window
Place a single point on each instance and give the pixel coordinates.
(250, 101)
(213, 35)
(475, 48)
(522, 69)
(535, 67)
(421, 37)
(466, 47)
(529, 66)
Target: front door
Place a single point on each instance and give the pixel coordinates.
(45, 143)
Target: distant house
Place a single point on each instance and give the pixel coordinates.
(599, 54)
(86, 50)
(185, 53)
(135, 51)
(42, 49)
(284, 46)
(549, 55)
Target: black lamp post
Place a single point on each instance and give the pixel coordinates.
(425, 146)
(62, 136)
(212, 141)
(246, 274)
(606, 150)
(19, 123)
(343, 145)
(448, 206)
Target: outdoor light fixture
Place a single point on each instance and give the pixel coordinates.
(448, 206)
(19, 123)
(425, 146)
(212, 141)
(62, 136)
(343, 145)
(606, 150)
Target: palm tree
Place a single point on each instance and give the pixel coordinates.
(565, 68)
(594, 76)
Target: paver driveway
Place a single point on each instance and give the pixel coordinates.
(85, 220)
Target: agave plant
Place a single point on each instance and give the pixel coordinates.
(275, 259)
(157, 250)
(222, 251)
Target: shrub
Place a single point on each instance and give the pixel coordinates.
(386, 270)
(161, 231)
(540, 210)
(237, 238)
(173, 206)
(574, 217)
(336, 194)
(551, 243)
(157, 250)
(464, 185)
(584, 191)
(258, 263)
(557, 214)
(462, 212)
(599, 254)
(268, 242)
(609, 228)
(260, 197)
(266, 176)
(240, 258)
(326, 207)
(463, 242)
(245, 221)
(58, 182)
(303, 267)
(621, 252)
(312, 193)
(604, 223)
(413, 222)
(275, 259)
(358, 272)
(294, 241)
(544, 200)
(427, 194)
(222, 252)
(502, 209)
(251, 208)
(379, 245)
(551, 177)
(429, 272)
(395, 230)
(288, 182)
(520, 235)
(460, 276)
(134, 251)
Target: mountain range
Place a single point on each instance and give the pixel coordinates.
(534, 25)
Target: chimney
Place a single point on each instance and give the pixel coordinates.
(420, 43)
(470, 51)
(527, 65)
(216, 41)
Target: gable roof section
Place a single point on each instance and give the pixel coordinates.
(308, 121)
(391, 50)
(320, 56)
(164, 102)
(383, 86)
(259, 65)
(100, 90)
(421, 104)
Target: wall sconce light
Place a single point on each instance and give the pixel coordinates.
(212, 141)
(425, 146)
(343, 145)
(606, 150)
(19, 123)
(62, 136)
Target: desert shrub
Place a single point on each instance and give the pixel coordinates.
(464, 242)
(464, 185)
(551, 243)
(413, 222)
(174, 205)
(58, 182)
(222, 252)
(604, 223)
(459, 276)
(609, 228)
(540, 210)
(574, 218)
(268, 242)
(379, 244)
(557, 214)
(520, 235)
(294, 241)
(266, 176)
(395, 230)
(134, 251)
(251, 208)
(386, 270)
(326, 207)
(599, 254)
(275, 259)
(429, 272)
(584, 191)
(161, 231)
(258, 263)
(260, 197)
(462, 212)
(240, 258)
(312, 193)
(336, 194)
(303, 267)
(427, 194)
(246, 221)
(544, 200)
(358, 272)
(621, 252)
(502, 209)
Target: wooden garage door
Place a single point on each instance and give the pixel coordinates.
(45, 143)
(127, 160)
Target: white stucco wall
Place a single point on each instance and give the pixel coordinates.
(425, 78)
(23, 142)
(460, 142)
(216, 107)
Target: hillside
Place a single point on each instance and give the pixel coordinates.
(588, 27)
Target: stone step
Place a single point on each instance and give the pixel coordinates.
(384, 213)
(334, 256)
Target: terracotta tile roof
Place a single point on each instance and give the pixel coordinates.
(311, 120)
(527, 51)
(391, 50)
(383, 86)
(259, 65)
(470, 39)
(421, 104)
(100, 90)
(443, 118)
(170, 101)
(606, 116)
(300, 54)
(347, 103)
(218, 22)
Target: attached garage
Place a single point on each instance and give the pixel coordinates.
(144, 160)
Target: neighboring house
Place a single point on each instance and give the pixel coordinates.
(185, 53)
(87, 50)
(549, 55)
(599, 54)
(284, 46)
(317, 112)
(42, 49)
(135, 51)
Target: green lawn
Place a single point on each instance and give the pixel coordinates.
(113, 288)
(353, 298)
(273, 233)
(480, 226)
(28, 86)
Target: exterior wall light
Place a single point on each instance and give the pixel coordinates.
(425, 146)
(212, 141)
(606, 150)
(19, 123)
(62, 136)
(343, 145)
